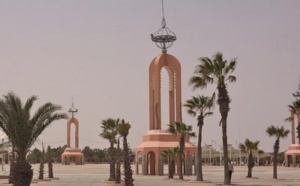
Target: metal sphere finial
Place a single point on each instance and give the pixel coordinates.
(164, 37)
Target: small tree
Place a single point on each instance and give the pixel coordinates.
(279, 133)
(123, 130)
(201, 106)
(249, 147)
(110, 132)
(170, 156)
(183, 130)
(49, 160)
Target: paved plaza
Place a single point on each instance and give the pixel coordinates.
(92, 175)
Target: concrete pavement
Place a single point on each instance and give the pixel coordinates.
(92, 175)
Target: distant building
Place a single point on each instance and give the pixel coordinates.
(5, 148)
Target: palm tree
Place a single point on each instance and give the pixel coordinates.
(217, 70)
(184, 130)
(23, 129)
(201, 105)
(279, 133)
(123, 130)
(249, 147)
(110, 132)
(294, 108)
(170, 156)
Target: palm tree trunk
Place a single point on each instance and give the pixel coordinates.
(127, 167)
(225, 149)
(199, 155)
(50, 168)
(276, 149)
(293, 127)
(112, 175)
(250, 165)
(172, 168)
(22, 173)
(118, 163)
(249, 175)
(275, 166)
(118, 172)
(223, 101)
(181, 149)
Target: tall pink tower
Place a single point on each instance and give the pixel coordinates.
(156, 140)
(72, 154)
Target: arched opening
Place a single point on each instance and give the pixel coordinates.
(166, 163)
(289, 160)
(297, 160)
(139, 162)
(151, 163)
(194, 162)
(165, 104)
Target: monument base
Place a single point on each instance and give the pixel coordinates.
(292, 156)
(156, 141)
(72, 155)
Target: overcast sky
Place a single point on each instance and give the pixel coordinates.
(99, 52)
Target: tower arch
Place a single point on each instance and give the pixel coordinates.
(75, 122)
(173, 67)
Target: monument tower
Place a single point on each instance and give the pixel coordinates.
(72, 153)
(156, 139)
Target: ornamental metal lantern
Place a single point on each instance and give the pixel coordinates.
(164, 37)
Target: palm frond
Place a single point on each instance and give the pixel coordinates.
(278, 132)
(123, 128)
(231, 78)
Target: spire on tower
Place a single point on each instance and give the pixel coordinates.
(73, 110)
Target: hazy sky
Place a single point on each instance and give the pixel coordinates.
(99, 52)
